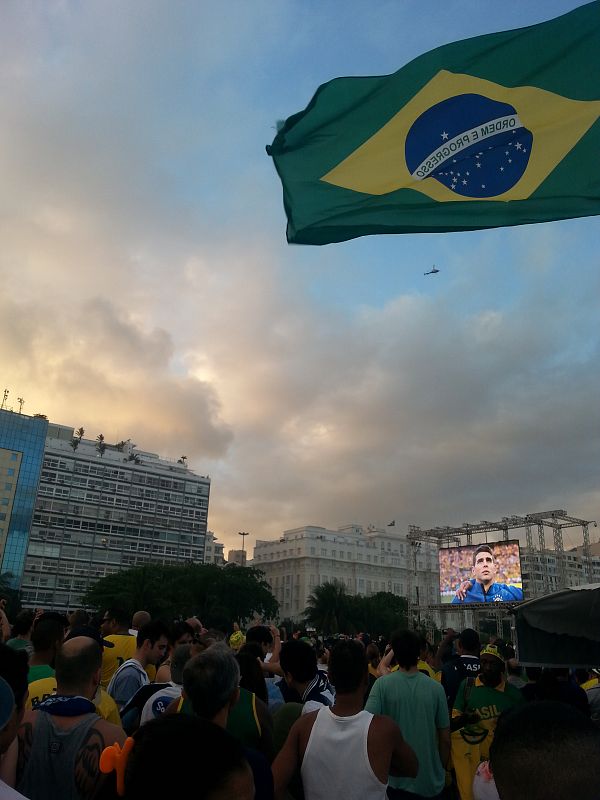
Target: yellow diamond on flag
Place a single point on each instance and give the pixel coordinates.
(553, 124)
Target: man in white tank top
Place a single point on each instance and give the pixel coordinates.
(343, 748)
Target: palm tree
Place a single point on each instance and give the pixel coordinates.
(100, 444)
(79, 433)
(328, 608)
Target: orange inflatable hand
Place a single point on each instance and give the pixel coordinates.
(113, 758)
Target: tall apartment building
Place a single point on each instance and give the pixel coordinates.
(104, 508)
(542, 570)
(366, 561)
(238, 557)
(213, 550)
(22, 441)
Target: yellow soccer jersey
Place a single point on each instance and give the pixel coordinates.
(107, 708)
(43, 688)
(424, 667)
(39, 691)
(124, 648)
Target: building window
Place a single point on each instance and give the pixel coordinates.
(312, 551)
(10, 471)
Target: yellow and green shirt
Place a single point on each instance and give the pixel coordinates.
(471, 744)
(124, 648)
(44, 688)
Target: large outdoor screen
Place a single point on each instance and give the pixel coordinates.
(481, 573)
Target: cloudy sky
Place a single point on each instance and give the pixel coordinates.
(148, 291)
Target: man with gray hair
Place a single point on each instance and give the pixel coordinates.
(211, 690)
(211, 683)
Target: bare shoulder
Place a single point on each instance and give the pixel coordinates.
(88, 779)
(29, 717)
(25, 741)
(307, 720)
(301, 730)
(382, 723)
(109, 732)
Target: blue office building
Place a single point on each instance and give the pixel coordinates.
(22, 442)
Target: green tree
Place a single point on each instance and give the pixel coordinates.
(218, 596)
(11, 595)
(382, 613)
(329, 609)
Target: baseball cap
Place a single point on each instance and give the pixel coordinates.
(492, 650)
(7, 703)
(89, 631)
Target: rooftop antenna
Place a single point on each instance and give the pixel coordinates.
(4, 398)
(21, 403)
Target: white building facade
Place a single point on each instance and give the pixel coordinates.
(543, 571)
(365, 560)
(214, 552)
(104, 508)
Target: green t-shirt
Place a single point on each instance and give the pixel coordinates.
(40, 671)
(418, 705)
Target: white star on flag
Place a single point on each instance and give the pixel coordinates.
(444, 135)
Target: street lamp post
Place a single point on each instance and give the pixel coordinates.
(243, 534)
(416, 548)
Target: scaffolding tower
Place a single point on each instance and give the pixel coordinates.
(447, 536)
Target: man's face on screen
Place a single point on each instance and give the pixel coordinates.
(485, 568)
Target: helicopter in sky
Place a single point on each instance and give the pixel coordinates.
(432, 271)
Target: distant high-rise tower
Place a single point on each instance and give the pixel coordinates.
(103, 508)
(239, 557)
(22, 441)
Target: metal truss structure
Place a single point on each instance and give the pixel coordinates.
(447, 536)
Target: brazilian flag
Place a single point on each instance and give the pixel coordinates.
(497, 130)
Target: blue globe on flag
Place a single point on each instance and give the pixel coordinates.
(474, 146)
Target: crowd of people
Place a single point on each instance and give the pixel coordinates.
(126, 706)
